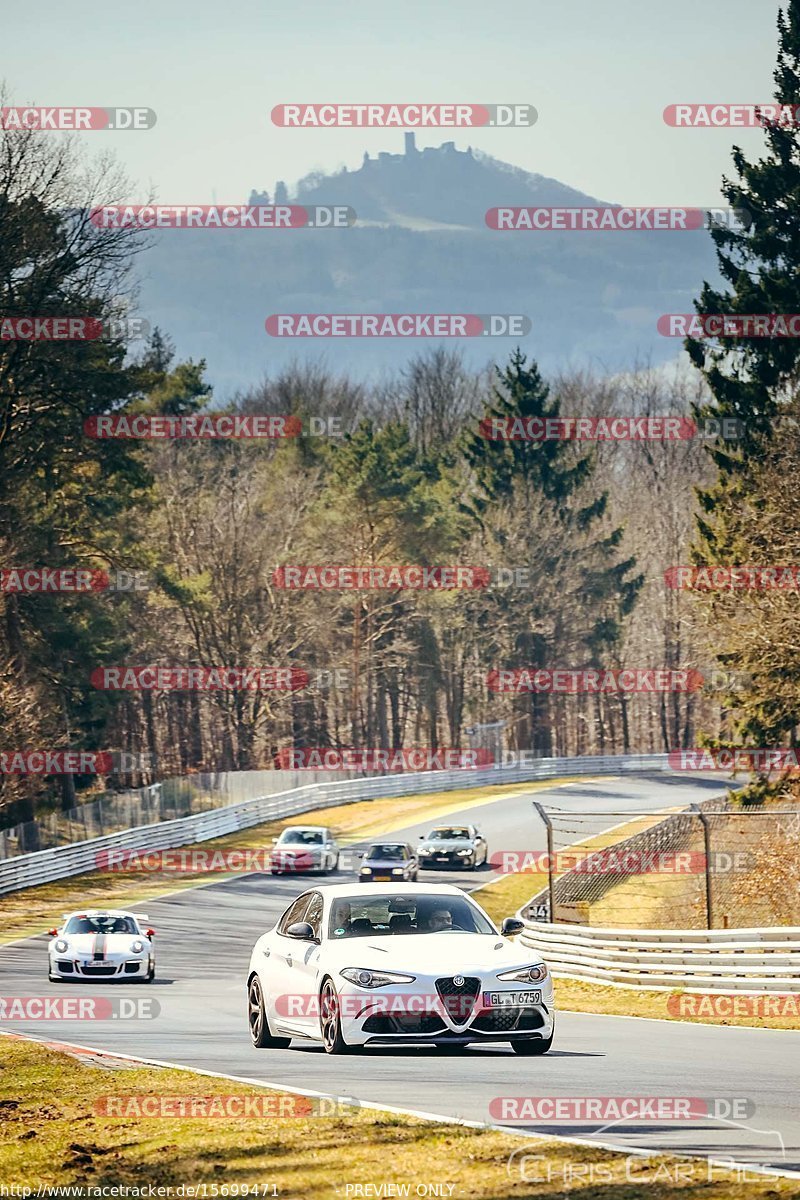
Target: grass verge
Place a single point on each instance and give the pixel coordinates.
(577, 996)
(51, 1134)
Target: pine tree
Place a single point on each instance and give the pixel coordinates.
(754, 380)
(533, 500)
(498, 466)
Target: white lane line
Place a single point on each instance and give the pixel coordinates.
(438, 1118)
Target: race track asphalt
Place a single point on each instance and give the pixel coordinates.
(204, 939)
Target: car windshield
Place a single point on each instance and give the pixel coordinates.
(387, 853)
(100, 925)
(301, 837)
(390, 914)
(448, 835)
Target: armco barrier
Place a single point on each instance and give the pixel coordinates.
(43, 866)
(749, 961)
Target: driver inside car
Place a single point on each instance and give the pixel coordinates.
(439, 920)
(342, 916)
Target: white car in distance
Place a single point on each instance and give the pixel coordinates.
(302, 848)
(368, 964)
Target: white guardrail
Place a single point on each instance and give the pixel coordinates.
(750, 961)
(43, 866)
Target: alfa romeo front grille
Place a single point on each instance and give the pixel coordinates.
(459, 999)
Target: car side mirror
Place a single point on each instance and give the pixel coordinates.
(422, 837)
(302, 931)
(511, 925)
(53, 932)
(150, 933)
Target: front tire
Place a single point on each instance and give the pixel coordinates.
(330, 1020)
(260, 1033)
(534, 1047)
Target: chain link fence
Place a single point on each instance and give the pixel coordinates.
(173, 798)
(715, 865)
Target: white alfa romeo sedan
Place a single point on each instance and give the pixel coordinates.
(374, 965)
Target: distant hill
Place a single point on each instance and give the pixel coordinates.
(420, 244)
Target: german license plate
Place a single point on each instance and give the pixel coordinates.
(511, 999)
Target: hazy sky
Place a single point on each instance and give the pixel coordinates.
(599, 73)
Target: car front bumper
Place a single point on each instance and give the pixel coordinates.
(447, 859)
(131, 967)
(299, 865)
(415, 1012)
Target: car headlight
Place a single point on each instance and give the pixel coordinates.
(534, 974)
(425, 850)
(374, 979)
(137, 947)
(62, 946)
(365, 871)
(464, 852)
(397, 870)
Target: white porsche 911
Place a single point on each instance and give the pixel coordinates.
(102, 944)
(362, 965)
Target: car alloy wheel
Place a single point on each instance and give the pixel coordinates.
(257, 1019)
(330, 1020)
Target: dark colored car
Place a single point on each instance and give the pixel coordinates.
(386, 862)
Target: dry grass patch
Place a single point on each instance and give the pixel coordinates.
(50, 1134)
